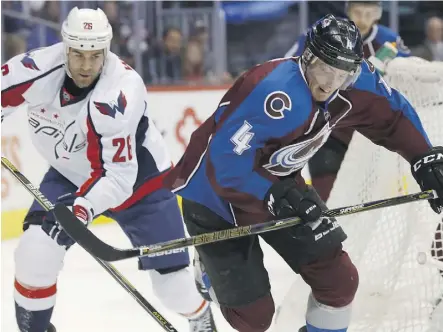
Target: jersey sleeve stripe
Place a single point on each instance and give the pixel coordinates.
(145, 189)
(94, 155)
(14, 97)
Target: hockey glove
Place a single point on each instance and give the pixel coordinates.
(427, 170)
(285, 200)
(79, 206)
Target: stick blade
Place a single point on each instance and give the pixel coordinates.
(85, 238)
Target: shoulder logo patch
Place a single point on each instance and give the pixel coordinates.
(112, 108)
(29, 62)
(276, 103)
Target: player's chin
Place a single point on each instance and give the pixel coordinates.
(83, 82)
(321, 95)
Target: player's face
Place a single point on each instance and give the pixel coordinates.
(85, 66)
(364, 16)
(324, 80)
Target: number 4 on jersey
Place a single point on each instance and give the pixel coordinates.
(242, 138)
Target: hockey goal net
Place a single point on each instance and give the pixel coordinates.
(396, 293)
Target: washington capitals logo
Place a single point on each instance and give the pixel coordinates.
(29, 62)
(114, 107)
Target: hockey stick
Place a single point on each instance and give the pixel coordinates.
(47, 205)
(97, 247)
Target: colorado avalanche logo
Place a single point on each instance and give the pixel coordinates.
(112, 109)
(29, 62)
(294, 157)
(276, 103)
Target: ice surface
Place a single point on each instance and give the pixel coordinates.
(90, 300)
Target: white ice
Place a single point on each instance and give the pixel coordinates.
(89, 299)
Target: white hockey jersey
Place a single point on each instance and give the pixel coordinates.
(103, 142)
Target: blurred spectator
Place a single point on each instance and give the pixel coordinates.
(14, 32)
(164, 58)
(11, 24)
(200, 35)
(432, 48)
(121, 31)
(193, 62)
(110, 8)
(14, 44)
(43, 35)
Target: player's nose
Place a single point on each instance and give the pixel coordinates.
(86, 65)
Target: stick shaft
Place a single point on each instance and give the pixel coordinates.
(104, 251)
(47, 205)
(284, 223)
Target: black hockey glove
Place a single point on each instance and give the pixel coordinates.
(285, 200)
(84, 212)
(428, 172)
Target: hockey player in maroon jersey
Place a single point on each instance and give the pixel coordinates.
(325, 165)
(243, 165)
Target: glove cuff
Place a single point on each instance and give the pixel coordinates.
(83, 209)
(433, 156)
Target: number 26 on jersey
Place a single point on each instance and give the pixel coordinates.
(123, 152)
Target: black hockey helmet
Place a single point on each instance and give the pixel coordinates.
(335, 41)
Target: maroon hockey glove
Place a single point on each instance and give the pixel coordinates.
(285, 200)
(428, 172)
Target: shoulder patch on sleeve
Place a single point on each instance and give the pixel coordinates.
(42, 59)
(29, 62)
(276, 103)
(112, 108)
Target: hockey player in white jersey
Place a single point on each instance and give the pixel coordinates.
(88, 116)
